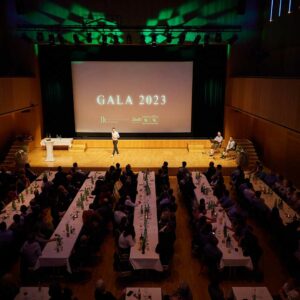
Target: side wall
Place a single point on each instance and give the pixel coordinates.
(267, 110)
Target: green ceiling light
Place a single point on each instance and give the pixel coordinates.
(152, 22)
(165, 14)
(189, 7)
(179, 20)
(79, 10)
(190, 36)
(54, 9)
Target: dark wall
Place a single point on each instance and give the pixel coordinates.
(208, 82)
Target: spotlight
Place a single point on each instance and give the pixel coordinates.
(128, 39)
(169, 38)
(218, 37)
(116, 39)
(60, 39)
(206, 39)
(26, 38)
(197, 39)
(76, 39)
(40, 37)
(142, 39)
(232, 39)
(153, 36)
(89, 37)
(182, 38)
(51, 39)
(104, 40)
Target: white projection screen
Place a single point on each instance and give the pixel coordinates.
(132, 96)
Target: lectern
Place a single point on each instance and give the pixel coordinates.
(49, 150)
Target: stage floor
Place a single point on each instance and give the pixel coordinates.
(100, 158)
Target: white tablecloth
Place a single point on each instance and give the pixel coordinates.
(233, 256)
(269, 197)
(242, 293)
(150, 259)
(33, 293)
(146, 293)
(59, 142)
(50, 256)
(27, 196)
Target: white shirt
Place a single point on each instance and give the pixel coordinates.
(115, 135)
(126, 242)
(219, 139)
(230, 145)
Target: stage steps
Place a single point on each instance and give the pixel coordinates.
(248, 146)
(78, 147)
(9, 161)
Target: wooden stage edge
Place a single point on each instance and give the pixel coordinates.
(140, 154)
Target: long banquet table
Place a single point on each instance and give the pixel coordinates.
(233, 255)
(58, 256)
(150, 293)
(150, 259)
(33, 293)
(260, 292)
(59, 142)
(287, 214)
(24, 198)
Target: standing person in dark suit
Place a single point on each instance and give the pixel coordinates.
(115, 138)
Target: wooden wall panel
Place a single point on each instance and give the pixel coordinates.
(7, 131)
(18, 93)
(277, 100)
(278, 146)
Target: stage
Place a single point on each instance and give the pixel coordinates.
(140, 154)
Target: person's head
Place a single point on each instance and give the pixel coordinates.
(118, 165)
(113, 129)
(23, 209)
(219, 133)
(230, 139)
(31, 237)
(16, 218)
(165, 164)
(27, 166)
(75, 165)
(211, 164)
(258, 194)
(226, 193)
(59, 169)
(3, 226)
(55, 291)
(184, 164)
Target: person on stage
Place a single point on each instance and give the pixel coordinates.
(115, 138)
(216, 143)
(230, 147)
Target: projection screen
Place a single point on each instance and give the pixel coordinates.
(132, 96)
